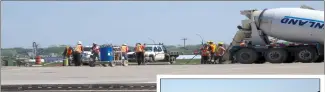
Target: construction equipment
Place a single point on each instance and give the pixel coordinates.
(301, 29)
(85, 59)
(157, 53)
(112, 55)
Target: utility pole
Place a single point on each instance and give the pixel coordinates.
(184, 39)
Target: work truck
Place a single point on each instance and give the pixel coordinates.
(279, 35)
(156, 53)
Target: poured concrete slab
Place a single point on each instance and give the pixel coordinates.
(143, 73)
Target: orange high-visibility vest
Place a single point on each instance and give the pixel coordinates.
(69, 51)
(78, 48)
(213, 48)
(124, 48)
(139, 48)
(205, 52)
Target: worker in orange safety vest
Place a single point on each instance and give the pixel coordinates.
(220, 52)
(77, 54)
(242, 44)
(124, 49)
(205, 54)
(212, 49)
(139, 50)
(68, 51)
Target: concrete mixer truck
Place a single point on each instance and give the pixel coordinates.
(301, 29)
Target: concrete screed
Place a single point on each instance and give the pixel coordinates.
(143, 73)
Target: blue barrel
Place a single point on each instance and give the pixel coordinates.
(106, 54)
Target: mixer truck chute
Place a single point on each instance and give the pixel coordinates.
(301, 29)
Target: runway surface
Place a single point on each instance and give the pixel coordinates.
(141, 74)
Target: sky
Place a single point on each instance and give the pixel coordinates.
(240, 85)
(66, 22)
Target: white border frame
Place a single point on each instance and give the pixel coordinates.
(321, 77)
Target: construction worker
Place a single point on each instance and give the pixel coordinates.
(205, 54)
(212, 49)
(139, 50)
(95, 54)
(124, 49)
(77, 53)
(220, 52)
(67, 54)
(242, 43)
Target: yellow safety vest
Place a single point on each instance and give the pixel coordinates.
(213, 47)
(216, 49)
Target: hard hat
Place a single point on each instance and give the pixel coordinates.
(220, 43)
(94, 42)
(79, 42)
(124, 44)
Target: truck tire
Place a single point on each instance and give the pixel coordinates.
(246, 56)
(151, 59)
(172, 60)
(306, 55)
(276, 55)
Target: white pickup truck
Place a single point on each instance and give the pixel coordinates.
(155, 52)
(86, 55)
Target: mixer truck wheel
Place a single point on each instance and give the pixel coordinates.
(246, 56)
(172, 60)
(276, 55)
(306, 55)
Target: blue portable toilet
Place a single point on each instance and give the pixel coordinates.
(106, 54)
